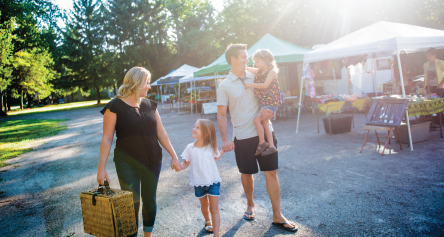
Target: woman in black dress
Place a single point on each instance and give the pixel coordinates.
(137, 156)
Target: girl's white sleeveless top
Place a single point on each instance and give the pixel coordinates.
(203, 168)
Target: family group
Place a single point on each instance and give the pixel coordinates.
(251, 95)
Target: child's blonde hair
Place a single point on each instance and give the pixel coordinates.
(133, 82)
(266, 56)
(208, 131)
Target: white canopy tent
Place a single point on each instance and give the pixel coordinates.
(182, 71)
(175, 75)
(190, 78)
(380, 37)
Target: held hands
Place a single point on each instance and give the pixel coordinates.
(227, 146)
(175, 164)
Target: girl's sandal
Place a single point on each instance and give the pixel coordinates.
(260, 148)
(208, 227)
(269, 151)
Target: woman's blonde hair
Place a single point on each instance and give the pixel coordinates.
(133, 82)
(208, 131)
(266, 56)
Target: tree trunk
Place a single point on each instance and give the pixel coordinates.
(1, 94)
(2, 113)
(8, 102)
(29, 101)
(72, 97)
(115, 91)
(21, 99)
(98, 95)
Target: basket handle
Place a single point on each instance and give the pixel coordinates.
(103, 189)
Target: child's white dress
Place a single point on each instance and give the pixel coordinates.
(203, 168)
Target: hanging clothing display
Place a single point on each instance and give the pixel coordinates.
(309, 85)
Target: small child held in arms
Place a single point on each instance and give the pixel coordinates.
(266, 88)
(201, 156)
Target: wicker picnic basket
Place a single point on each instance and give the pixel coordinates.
(108, 212)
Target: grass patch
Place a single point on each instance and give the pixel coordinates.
(18, 136)
(59, 107)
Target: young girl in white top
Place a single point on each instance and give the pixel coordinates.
(201, 156)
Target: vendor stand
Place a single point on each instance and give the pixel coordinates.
(426, 106)
(358, 105)
(381, 37)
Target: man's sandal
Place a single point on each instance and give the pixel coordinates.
(208, 227)
(250, 214)
(269, 151)
(260, 148)
(282, 226)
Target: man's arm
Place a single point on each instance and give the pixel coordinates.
(270, 77)
(227, 145)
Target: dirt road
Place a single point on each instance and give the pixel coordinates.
(328, 188)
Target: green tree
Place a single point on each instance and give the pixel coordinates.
(84, 47)
(32, 74)
(31, 18)
(6, 49)
(137, 35)
(193, 23)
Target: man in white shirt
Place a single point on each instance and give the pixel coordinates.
(244, 107)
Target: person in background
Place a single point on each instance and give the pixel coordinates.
(433, 73)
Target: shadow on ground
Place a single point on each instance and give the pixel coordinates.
(327, 186)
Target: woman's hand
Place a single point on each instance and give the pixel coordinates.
(175, 164)
(101, 175)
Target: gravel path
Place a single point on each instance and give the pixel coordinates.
(327, 187)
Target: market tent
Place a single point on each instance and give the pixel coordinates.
(190, 78)
(180, 72)
(158, 82)
(283, 52)
(174, 75)
(377, 38)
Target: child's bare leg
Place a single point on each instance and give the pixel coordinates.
(260, 129)
(214, 209)
(204, 204)
(265, 124)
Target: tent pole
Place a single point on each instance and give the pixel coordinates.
(336, 83)
(300, 98)
(403, 96)
(191, 95)
(374, 75)
(195, 94)
(178, 98)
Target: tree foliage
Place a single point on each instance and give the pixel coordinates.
(104, 39)
(84, 44)
(32, 74)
